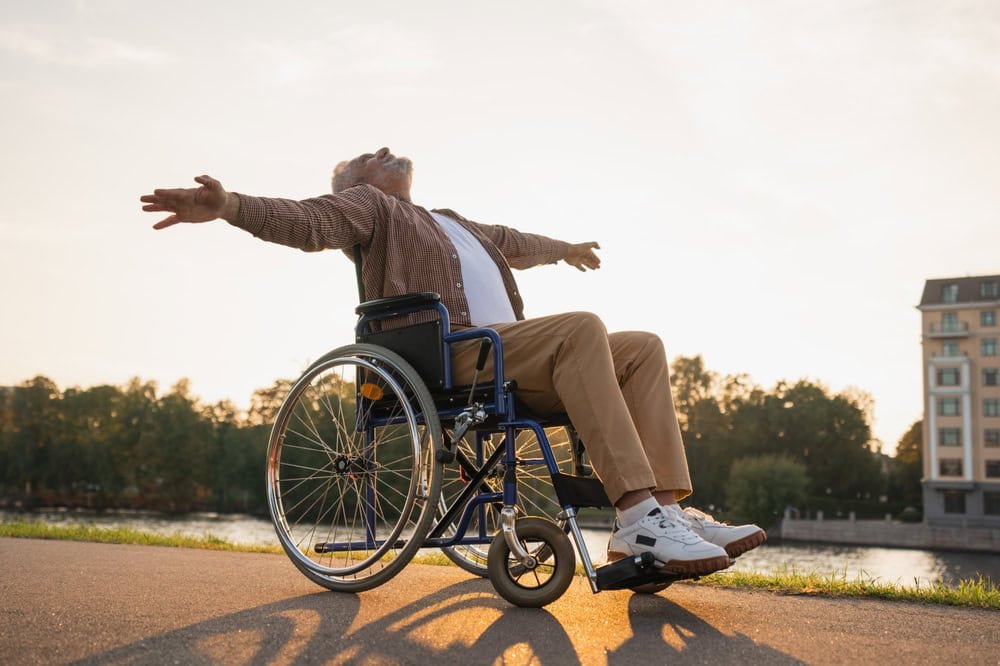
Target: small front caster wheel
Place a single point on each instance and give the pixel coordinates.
(543, 580)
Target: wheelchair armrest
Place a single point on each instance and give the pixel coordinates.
(392, 303)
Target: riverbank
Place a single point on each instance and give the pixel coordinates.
(891, 533)
(971, 593)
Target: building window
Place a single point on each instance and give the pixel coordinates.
(991, 503)
(950, 467)
(949, 407)
(949, 321)
(947, 377)
(949, 348)
(989, 346)
(991, 437)
(950, 437)
(991, 407)
(989, 376)
(993, 469)
(988, 318)
(949, 293)
(954, 501)
(988, 289)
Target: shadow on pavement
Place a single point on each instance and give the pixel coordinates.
(461, 623)
(662, 629)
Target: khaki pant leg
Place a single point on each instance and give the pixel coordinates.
(563, 363)
(644, 377)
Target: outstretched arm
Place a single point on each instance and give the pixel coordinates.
(332, 221)
(193, 204)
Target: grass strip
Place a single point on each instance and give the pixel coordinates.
(976, 593)
(123, 535)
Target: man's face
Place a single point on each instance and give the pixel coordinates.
(382, 169)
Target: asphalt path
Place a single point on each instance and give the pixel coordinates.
(65, 602)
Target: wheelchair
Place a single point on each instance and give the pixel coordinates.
(376, 454)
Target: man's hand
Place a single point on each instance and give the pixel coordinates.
(195, 204)
(582, 256)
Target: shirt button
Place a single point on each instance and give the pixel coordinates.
(465, 314)
(459, 285)
(454, 256)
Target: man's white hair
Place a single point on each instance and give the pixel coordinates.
(345, 175)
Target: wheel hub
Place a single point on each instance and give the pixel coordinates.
(349, 465)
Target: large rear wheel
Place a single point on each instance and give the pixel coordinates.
(352, 479)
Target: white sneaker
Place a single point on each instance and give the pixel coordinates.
(736, 539)
(671, 542)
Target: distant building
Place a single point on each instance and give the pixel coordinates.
(961, 401)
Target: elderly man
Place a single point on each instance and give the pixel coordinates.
(613, 386)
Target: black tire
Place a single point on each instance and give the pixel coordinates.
(533, 587)
(351, 508)
(536, 496)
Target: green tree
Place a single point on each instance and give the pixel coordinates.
(908, 468)
(706, 404)
(691, 384)
(265, 402)
(236, 460)
(174, 470)
(827, 433)
(89, 425)
(33, 411)
(759, 488)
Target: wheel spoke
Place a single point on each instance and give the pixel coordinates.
(352, 479)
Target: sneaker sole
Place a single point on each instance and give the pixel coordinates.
(737, 548)
(684, 567)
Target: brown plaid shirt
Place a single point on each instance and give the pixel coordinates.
(403, 248)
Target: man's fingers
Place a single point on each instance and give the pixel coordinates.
(208, 182)
(166, 222)
(168, 192)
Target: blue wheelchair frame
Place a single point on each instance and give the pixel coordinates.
(573, 492)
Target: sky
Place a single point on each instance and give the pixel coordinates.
(771, 183)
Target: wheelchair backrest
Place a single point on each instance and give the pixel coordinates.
(420, 344)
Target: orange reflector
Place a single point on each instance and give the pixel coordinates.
(372, 391)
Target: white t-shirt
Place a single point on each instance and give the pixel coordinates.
(481, 280)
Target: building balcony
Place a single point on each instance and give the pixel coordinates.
(960, 356)
(959, 330)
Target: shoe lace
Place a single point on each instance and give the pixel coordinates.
(679, 515)
(695, 514)
(669, 520)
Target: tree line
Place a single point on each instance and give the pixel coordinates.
(128, 447)
(752, 452)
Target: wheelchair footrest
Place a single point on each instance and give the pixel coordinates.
(633, 571)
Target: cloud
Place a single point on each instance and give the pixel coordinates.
(83, 51)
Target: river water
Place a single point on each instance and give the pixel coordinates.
(896, 565)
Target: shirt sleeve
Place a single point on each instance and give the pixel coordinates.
(330, 222)
(520, 249)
